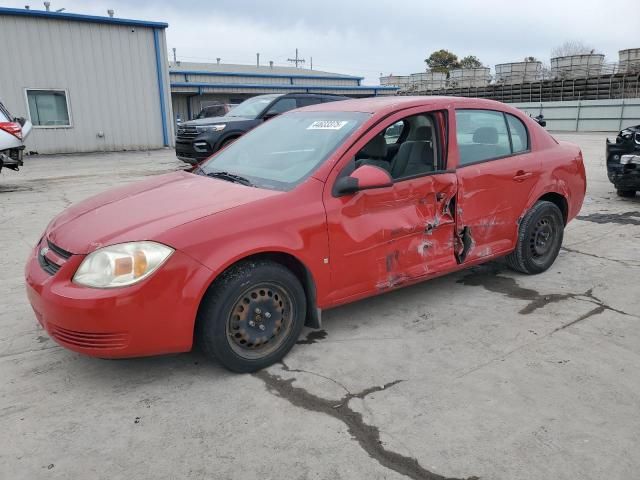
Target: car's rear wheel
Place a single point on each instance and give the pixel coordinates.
(251, 316)
(626, 193)
(539, 239)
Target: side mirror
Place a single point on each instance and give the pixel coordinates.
(364, 177)
(269, 115)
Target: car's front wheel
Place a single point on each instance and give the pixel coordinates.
(539, 239)
(251, 316)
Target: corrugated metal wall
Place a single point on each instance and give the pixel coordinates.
(108, 71)
(587, 115)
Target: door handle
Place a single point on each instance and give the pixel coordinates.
(521, 176)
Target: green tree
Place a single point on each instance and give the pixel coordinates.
(470, 61)
(442, 61)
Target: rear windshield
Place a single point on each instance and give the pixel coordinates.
(281, 153)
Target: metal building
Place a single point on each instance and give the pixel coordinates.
(195, 85)
(87, 83)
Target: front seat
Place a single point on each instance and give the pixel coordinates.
(414, 157)
(374, 153)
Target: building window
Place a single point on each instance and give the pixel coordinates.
(48, 108)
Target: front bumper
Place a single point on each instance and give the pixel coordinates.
(153, 317)
(623, 176)
(187, 151)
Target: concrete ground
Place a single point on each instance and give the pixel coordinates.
(485, 373)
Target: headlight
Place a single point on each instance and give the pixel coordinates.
(121, 265)
(211, 128)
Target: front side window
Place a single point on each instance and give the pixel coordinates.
(48, 108)
(418, 152)
(281, 153)
(519, 137)
(482, 135)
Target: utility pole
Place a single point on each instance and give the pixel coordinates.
(174, 55)
(257, 59)
(296, 60)
(311, 62)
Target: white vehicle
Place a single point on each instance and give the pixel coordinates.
(13, 132)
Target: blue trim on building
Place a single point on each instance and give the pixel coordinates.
(159, 71)
(22, 12)
(200, 86)
(262, 75)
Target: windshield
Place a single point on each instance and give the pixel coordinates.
(282, 152)
(252, 107)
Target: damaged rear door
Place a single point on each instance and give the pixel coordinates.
(385, 237)
(497, 174)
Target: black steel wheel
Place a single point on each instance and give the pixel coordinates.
(251, 316)
(539, 239)
(260, 320)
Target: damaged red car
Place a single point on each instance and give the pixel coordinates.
(316, 208)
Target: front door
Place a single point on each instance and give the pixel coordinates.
(382, 238)
(496, 176)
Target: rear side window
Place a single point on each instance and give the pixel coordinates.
(519, 137)
(482, 135)
(394, 132)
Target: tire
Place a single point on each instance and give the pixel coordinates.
(251, 316)
(626, 193)
(539, 239)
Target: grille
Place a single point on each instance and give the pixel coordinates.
(59, 251)
(89, 339)
(47, 264)
(187, 132)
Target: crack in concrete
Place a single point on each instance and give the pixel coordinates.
(625, 218)
(487, 276)
(367, 436)
(626, 263)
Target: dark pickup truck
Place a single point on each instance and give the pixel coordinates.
(197, 140)
(623, 161)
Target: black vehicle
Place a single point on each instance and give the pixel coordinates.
(197, 140)
(623, 161)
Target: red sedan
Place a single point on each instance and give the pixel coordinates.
(316, 208)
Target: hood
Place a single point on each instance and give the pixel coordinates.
(212, 121)
(143, 210)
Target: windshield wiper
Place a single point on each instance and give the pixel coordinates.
(231, 177)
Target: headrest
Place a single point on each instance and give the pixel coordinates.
(486, 136)
(376, 148)
(423, 134)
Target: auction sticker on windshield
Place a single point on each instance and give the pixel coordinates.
(327, 125)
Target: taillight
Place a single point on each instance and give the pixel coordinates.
(14, 128)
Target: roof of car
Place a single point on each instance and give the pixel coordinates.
(381, 104)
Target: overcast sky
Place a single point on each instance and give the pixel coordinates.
(367, 37)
